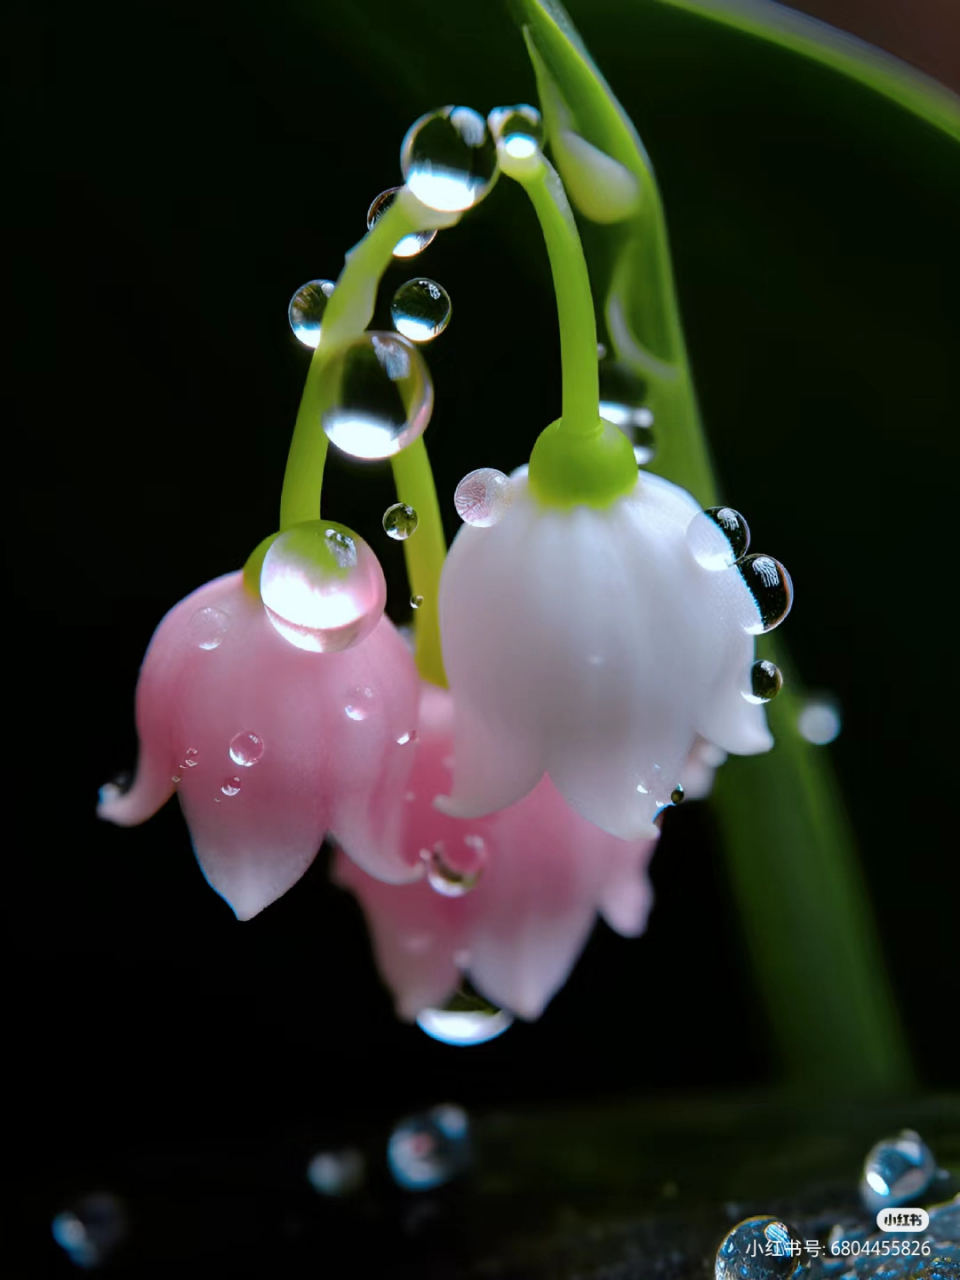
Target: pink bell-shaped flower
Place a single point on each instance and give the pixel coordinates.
(269, 743)
(508, 899)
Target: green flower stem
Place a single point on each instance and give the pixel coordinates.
(578, 326)
(424, 552)
(347, 315)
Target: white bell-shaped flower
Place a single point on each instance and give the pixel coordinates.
(592, 644)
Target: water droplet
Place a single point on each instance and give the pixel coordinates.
(677, 794)
(231, 787)
(409, 736)
(337, 1173)
(208, 627)
(772, 592)
(896, 1171)
(322, 586)
(455, 869)
(819, 722)
(421, 309)
(376, 395)
(463, 1027)
(761, 1248)
(175, 777)
(482, 497)
(622, 396)
(519, 130)
(426, 1151)
(449, 159)
(416, 602)
(411, 244)
(191, 758)
(246, 749)
(400, 521)
(718, 537)
(306, 310)
(91, 1229)
(763, 682)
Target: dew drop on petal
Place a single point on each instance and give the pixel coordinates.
(519, 130)
(376, 396)
(677, 794)
(337, 1173)
(455, 868)
(191, 758)
(449, 159)
(896, 1171)
(482, 497)
(246, 749)
(400, 521)
(718, 537)
(464, 1027)
(772, 591)
(306, 309)
(764, 682)
(411, 244)
(175, 778)
(409, 736)
(819, 721)
(426, 1151)
(231, 786)
(421, 309)
(761, 1248)
(208, 627)
(322, 587)
(416, 602)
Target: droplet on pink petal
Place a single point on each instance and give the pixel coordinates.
(322, 586)
(454, 867)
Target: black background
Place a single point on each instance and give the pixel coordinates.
(180, 171)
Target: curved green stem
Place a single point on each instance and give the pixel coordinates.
(578, 326)
(424, 553)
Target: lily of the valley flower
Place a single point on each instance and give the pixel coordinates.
(591, 645)
(269, 745)
(508, 900)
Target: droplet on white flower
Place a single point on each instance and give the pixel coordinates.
(482, 497)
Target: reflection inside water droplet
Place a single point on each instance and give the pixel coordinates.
(772, 591)
(454, 868)
(208, 627)
(449, 159)
(764, 682)
(306, 309)
(400, 521)
(421, 309)
(482, 497)
(717, 538)
(410, 245)
(376, 396)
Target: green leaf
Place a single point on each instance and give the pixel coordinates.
(789, 847)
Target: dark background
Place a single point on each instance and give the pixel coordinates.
(180, 171)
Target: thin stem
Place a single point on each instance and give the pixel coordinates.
(424, 553)
(571, 282)
(347, 315)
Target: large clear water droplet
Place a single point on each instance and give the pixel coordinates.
(449, 159)
(819, 721)
(772, 591)
(337, 1173)
(519, 130)
(421, 309)
(246, 749)
(376, 396)
(360, 704)
(426, 1151)
(482, 497)
(896, 1171)
(322, 587)
(400, 521)
(454, 868)
(468, 1018)
(761, 1248)
(718, 537)
(90, 1230)
(764, 682)
(208, 627)
(411, 244)
(306, 309)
